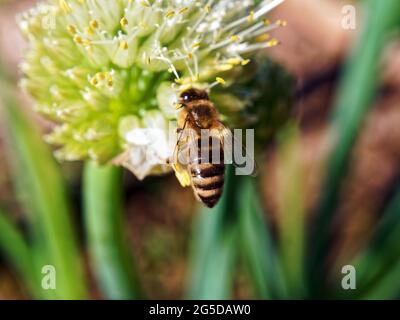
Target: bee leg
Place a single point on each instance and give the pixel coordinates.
(179, 130)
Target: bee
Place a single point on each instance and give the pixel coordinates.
(198, 163)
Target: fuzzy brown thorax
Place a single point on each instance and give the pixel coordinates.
(199, 110)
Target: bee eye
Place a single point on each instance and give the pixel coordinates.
(186, 97)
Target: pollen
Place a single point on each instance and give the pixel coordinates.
(78, 39)
(170, 14)
(281, 23)
(71, 29)
(183, 10)
(124, 45)
(94, 81)
(94, 24)
(250, 18)
(235, 38)
(273, 42)
(124, 22)
(262, 38)
(220, 80)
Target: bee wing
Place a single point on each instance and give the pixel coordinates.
(230, 143)
(181, 150)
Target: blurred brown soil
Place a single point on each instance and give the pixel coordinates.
(159, 222)
(9, 288)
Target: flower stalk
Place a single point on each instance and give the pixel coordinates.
(109, 249)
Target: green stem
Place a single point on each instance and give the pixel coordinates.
(378, 265)
(109, 249)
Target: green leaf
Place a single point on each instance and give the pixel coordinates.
(377, 266)
(291, 197)
(17, 252)
(257, 245)
(46, 203)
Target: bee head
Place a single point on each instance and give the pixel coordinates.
(193, 94)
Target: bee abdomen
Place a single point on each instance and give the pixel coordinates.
(208, 182)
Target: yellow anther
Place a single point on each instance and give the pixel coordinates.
(89, 31)
(267, 22)
(123, 45)
(225, 67)
(101, 76)
(94, 24)
(220, 80)
(179, 81)
(190, 55)
(78, 39)
(148, 60)
(86, 42)
(273, 42)
(184, 10)
(110, 83)
(281, 23)
(262, 38)
(196, 44)
(235, 38)
(124, 22)
(170, 14)
(245, 62)
(65, 6)
(207, 9)
(71, 29)
(94, 81)
(250, 18)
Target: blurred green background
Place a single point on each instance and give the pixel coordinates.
(327, 194)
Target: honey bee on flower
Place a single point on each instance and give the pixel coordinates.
(104, 71)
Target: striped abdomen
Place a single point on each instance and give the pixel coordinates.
(208, 174)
